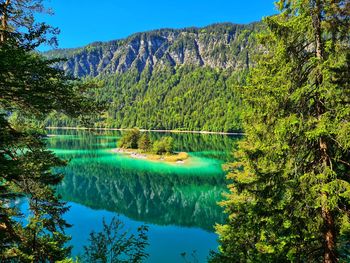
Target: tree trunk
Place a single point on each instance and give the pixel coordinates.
(329, 255)
(4, 21)
(329, 234)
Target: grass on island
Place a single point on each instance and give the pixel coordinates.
(140, 146)
(177, 157)
(138, 154)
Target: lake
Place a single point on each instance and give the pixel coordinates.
(178, 202)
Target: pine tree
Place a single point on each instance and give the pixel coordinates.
(144, 142)
(290, 187)
(130, 139)
(163, 146)
(115, 244)
(31, 88)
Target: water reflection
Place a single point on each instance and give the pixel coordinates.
(150, 192)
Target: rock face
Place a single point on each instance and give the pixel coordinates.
(216, 46)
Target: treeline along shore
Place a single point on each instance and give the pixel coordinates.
(145, 130)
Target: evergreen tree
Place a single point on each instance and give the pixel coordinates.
(164, 145)
(290, 187)
(144, 142)
(31, 88)
(184, 98)
(114, 244)
(130, 139)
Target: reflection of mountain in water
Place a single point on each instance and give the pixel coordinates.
(177, 200)
(101, 180)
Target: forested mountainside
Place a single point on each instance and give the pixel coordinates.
(167, 79)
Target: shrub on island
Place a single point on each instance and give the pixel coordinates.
(130, 139)
(159, 150)
(163, 146)
(144, 143)
(133, 139)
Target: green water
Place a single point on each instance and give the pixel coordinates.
(177, 201)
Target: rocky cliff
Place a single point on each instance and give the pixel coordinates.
(217, 46)
(167, 79)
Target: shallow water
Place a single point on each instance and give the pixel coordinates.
(177, 201)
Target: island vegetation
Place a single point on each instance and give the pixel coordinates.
(139, 145)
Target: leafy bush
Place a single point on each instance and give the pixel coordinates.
(164, 145)
(130, 139)
(144, 142)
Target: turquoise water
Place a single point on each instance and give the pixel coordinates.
(178, 202)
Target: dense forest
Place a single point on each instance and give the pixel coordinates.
(185, 98)
(167, 79)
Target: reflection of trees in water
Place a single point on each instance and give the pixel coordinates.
(75, 139)
(210, 145)
(159, 199)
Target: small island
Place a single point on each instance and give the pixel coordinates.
(138, 145)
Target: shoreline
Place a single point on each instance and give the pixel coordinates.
(178, 158)
(144, 130)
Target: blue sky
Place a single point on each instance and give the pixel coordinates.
(84, 21)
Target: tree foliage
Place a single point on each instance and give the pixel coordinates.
(133, 139)
(130, 139)
(144, 142)
(30, 88)
(185, 98)
(164, 145)
(289, 192)
(114, 244)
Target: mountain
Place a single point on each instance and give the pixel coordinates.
(167, 78)
(217, 46)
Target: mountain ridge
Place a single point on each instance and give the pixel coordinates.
(220, 45)
(168, 79)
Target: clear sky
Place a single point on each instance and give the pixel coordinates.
(84, 21)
